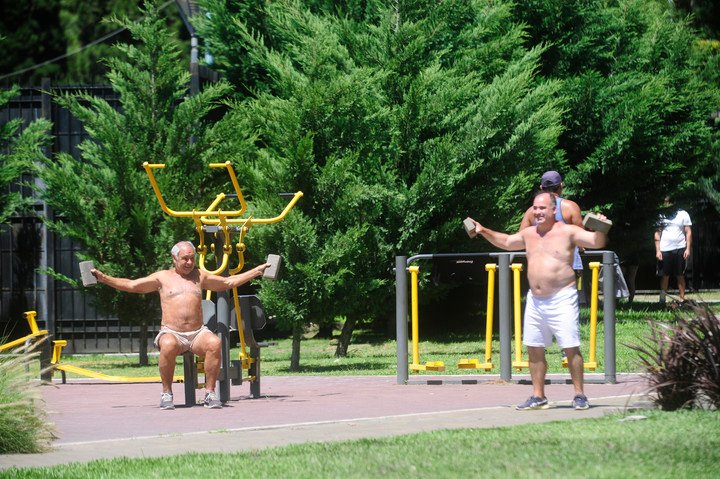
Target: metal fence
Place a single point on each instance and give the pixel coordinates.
(27, 247)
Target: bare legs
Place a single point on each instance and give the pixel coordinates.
(665, 282)
(207, 345)
(538, 369)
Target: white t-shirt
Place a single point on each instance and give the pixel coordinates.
(672, 236)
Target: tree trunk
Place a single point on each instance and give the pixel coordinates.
(295, 355)
(143, 347)
(345, 336)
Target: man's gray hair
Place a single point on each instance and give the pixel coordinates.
(176, 249)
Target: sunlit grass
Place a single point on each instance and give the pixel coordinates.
(372, 354)
(677, 444)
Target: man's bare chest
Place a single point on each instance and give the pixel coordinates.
(182, 287)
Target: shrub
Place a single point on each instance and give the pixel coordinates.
(682, 360)
(23, 427)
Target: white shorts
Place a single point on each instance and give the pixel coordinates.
(556, 316)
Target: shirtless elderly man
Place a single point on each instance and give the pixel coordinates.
(182, 328)
(552, 301)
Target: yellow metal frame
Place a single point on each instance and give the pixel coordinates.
(594, 291)
(416, 366)
(225, 221)
(35, 332)
(518, 364)
(491, 268)
(56, 365)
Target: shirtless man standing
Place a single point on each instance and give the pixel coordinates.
(552, 302)
(182, 328)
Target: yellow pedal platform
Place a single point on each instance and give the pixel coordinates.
(435, 366)
(468, 363)
(519, 365)
(474, 364)
(429, 366)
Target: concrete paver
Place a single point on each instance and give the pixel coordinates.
(96, 420)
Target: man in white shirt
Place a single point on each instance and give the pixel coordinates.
(673, 242)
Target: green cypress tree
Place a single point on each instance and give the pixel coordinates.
(104, 200)
(394, 126)
(21, 147)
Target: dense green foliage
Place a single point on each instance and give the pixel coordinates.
(398, 118)
(66, 40)
(638, 122)
(21, 145)
(106, 203)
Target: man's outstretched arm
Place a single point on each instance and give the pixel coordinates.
(148, 284)
(588, 239)
(504, 241)
(223, 283)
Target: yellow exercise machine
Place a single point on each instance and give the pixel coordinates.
(56, 365)
(35, 332)
(416, 366)
(591, 364)
(491, 268)
(226, 223)
(518, 363)
(517, 310)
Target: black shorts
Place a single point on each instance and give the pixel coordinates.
(673, 263)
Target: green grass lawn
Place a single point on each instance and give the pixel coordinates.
(371, 354)
(665, 444)
(677, 444)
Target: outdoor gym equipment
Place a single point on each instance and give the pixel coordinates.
(505, 303)
(35, 332)
(416, 366)
(225, 223)
(518, 363)
(56, 365)
(489, 315)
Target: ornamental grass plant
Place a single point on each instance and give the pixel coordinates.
(681, 359)
(23, 424)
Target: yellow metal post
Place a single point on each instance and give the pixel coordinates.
(416, 366)
(518, 363)
(595, 268)
(414, 316)
(489, 312)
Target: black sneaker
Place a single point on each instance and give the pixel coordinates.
(166, 401)
(211, 401)
(533, 402)
(580, 402)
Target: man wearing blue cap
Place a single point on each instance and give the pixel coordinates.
(566, 211)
